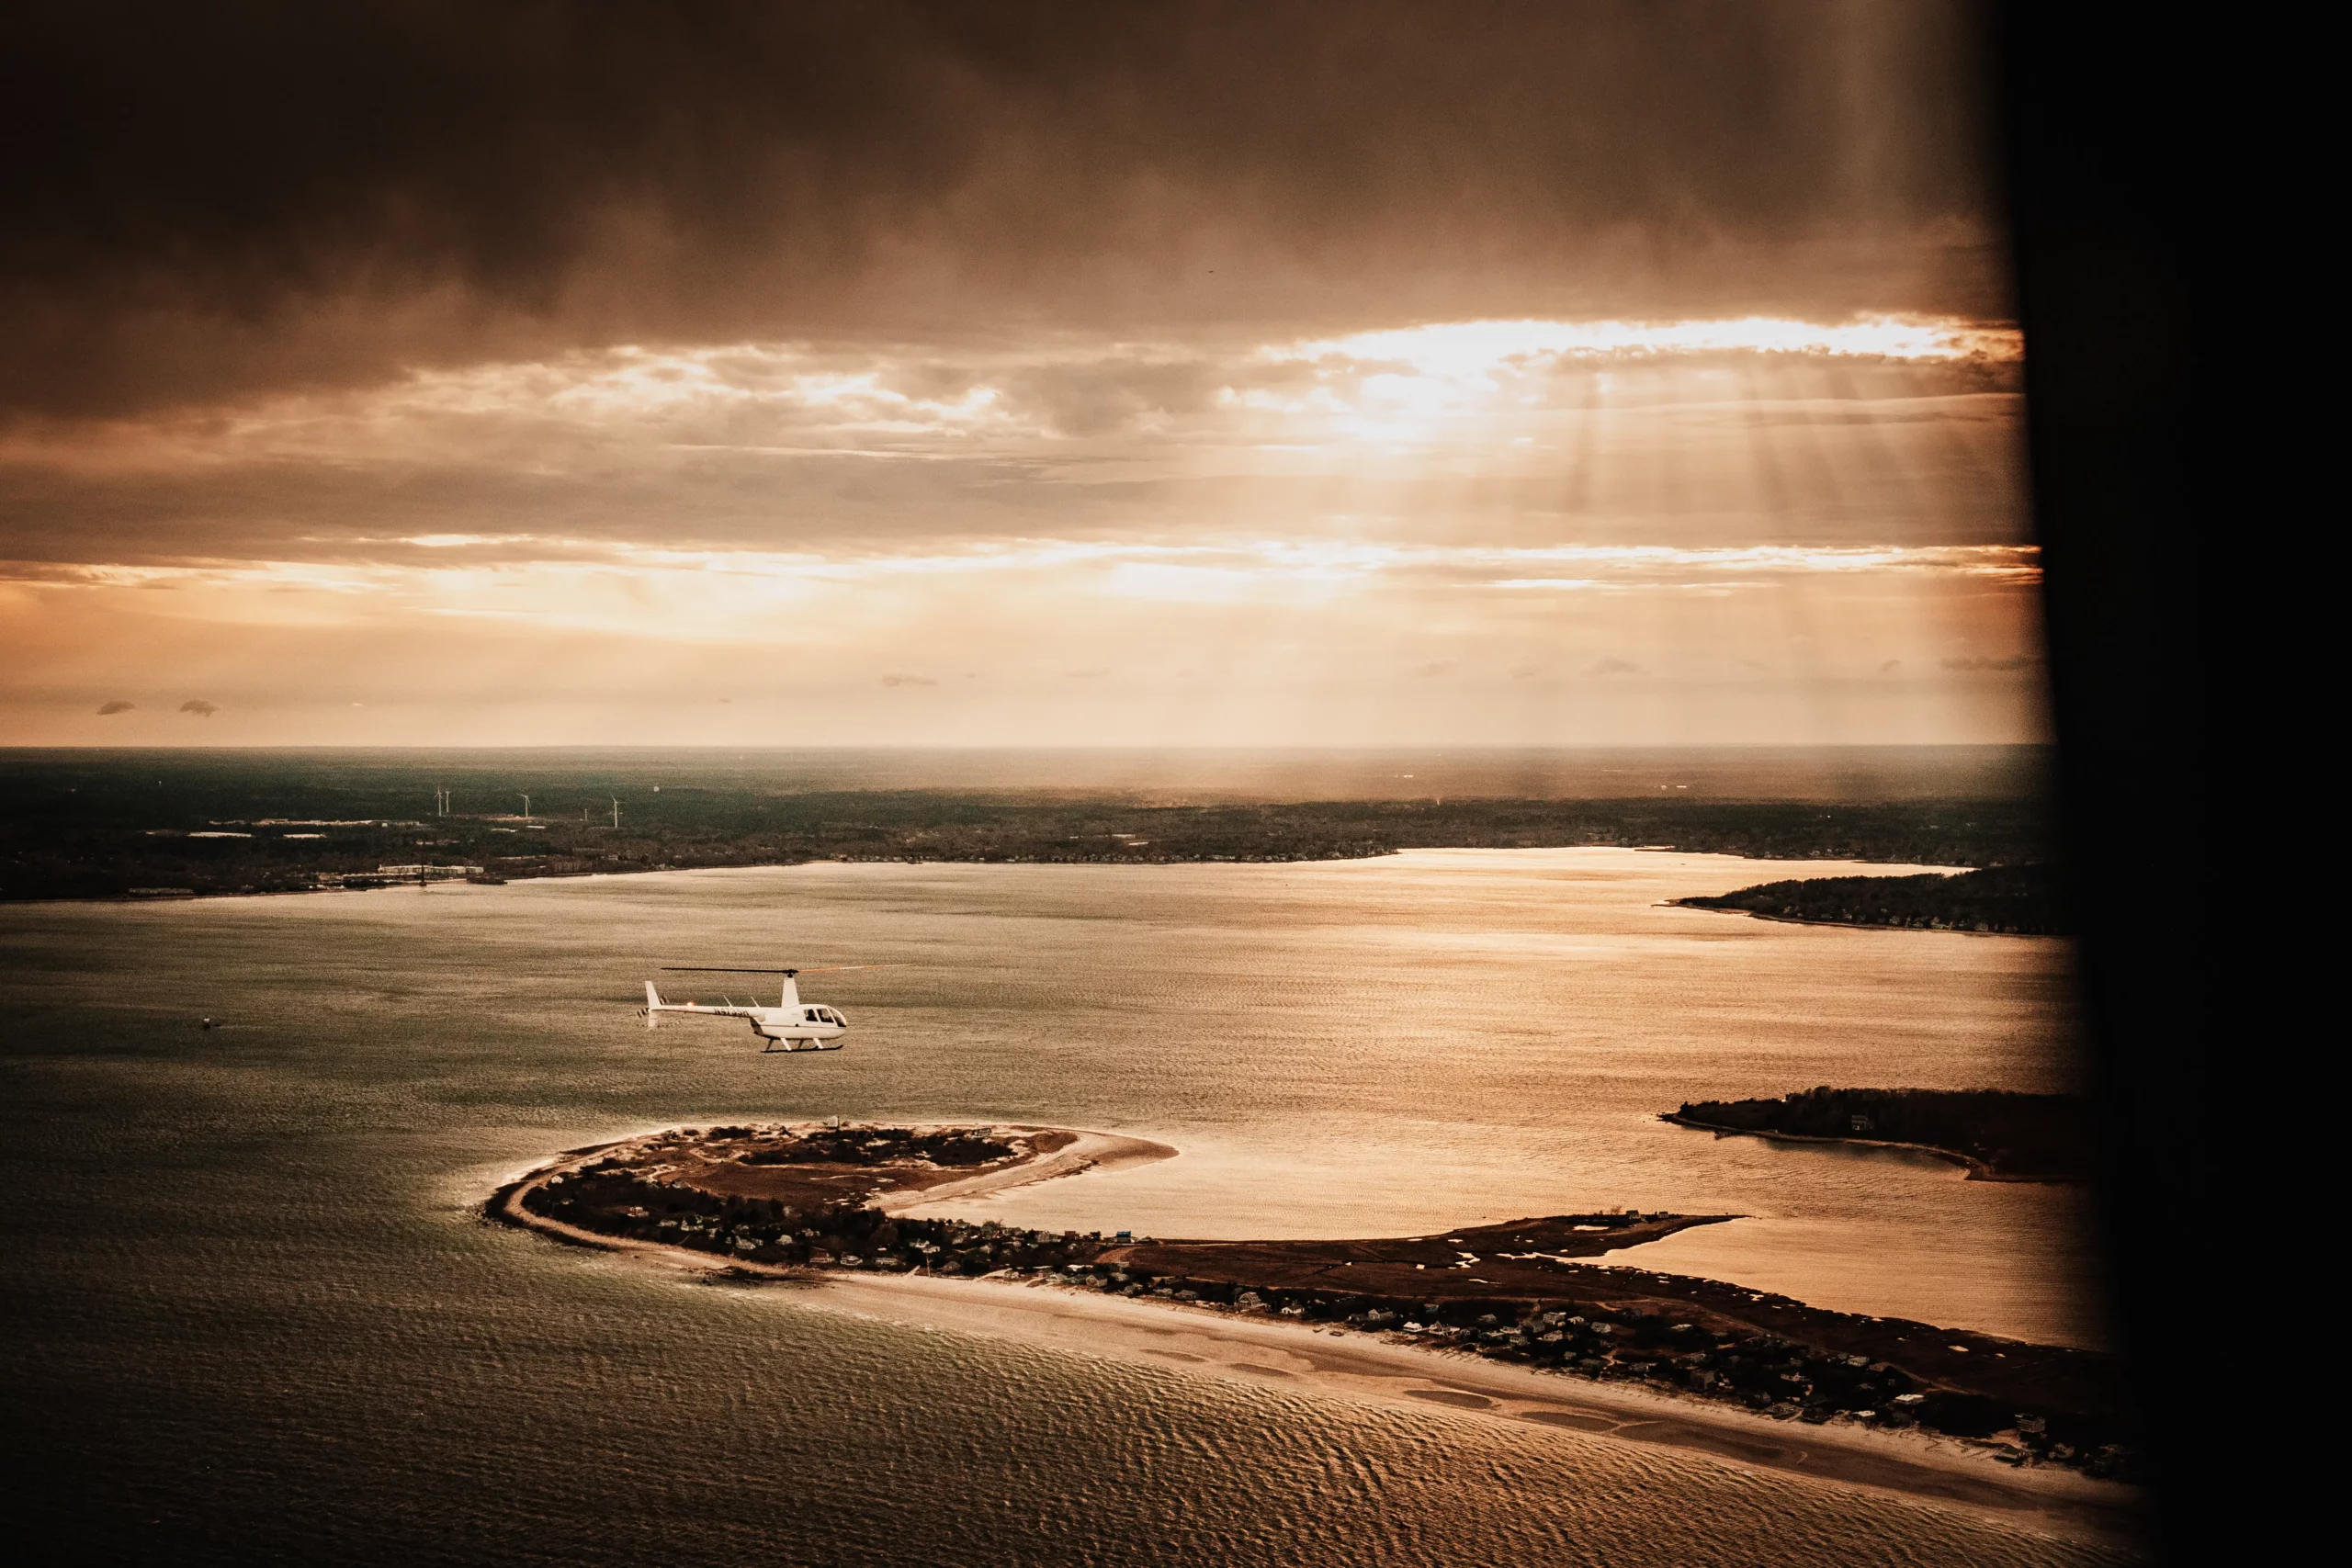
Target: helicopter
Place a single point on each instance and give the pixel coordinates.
(791, 1023)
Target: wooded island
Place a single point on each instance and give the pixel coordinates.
(2018, 901)
(2000, 1134)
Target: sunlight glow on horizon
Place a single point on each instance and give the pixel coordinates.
(1457, 347)
(1445, 529)
(1647, 564)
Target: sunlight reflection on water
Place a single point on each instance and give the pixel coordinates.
(253, 1245)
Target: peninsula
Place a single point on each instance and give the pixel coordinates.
(773, 1202)
(2014, 900)
(1999, 1134)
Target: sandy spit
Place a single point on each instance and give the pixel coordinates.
(1087, 1151)
(1385, 1368)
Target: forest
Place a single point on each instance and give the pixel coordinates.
(2026, 900)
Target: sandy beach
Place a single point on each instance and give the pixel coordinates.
(1389, 1369)
(1086, 1151)
(1976, 1169)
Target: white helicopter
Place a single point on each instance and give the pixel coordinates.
(792, 1023)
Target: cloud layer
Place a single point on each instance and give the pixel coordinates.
(253, 197)
(1896, 431)
(1281, 372)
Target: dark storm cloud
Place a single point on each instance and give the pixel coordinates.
(208, 201)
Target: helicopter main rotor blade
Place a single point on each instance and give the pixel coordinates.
(729, 969)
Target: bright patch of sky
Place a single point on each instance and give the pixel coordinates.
(1761, 529)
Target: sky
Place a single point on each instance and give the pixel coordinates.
(1277, 373)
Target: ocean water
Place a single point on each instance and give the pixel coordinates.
(254, 1316)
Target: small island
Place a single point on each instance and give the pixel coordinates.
(2012, 900)
(1999, 1134)
(772, 1203)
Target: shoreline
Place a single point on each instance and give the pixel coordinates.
(1849, 925)
(1977, 1169)
(1369, 1364)
(1087, 1151)
(189, 896)
(1391, 1371)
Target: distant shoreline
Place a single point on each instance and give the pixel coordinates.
(77, 836)
(412, 885)
(190, 895)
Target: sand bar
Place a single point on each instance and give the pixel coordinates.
(1086, 1151)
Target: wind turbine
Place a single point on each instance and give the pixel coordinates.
(526, 808)
(617, 812)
